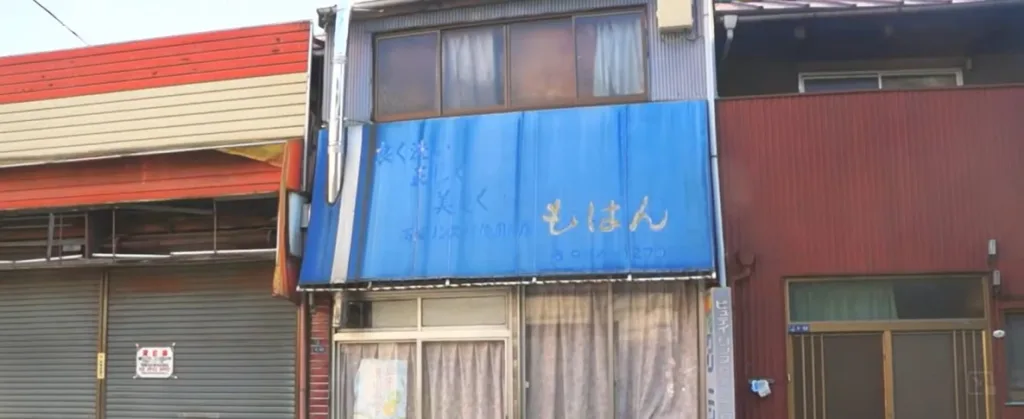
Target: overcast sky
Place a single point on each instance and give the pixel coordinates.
(25, 28)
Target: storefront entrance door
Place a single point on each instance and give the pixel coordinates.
(920, 374)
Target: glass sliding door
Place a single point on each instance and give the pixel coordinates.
(838, 376)
(441, 355)
(463, 380)
(888, 348)
(377, 380)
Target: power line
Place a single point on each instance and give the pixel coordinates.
(61, 22)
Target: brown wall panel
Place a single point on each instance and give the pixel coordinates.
(866, 183)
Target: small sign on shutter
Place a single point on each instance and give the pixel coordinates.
(154, 362)
(101, 366)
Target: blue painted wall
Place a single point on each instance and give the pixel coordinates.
(596, 190)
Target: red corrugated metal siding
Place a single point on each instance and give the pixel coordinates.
(199, 174)
(211, 56)
(866, 183)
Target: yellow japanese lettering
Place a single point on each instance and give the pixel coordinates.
(609, 223)
(552, 218)
(641, 215)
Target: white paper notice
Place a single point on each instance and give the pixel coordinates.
(154, 362)
(380, 389)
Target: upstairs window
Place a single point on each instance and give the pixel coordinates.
(559, 62)
(879, 80)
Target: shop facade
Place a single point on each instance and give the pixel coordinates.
(146, 269)
(531, 264)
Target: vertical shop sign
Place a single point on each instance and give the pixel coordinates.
(721, 384)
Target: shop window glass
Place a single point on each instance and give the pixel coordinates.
(886, 299)
(567, 61)
(473, 65)
(382, 314)
(609, 55)
(464, 311)
(1014, 328)
(406, 78)
(377, 380)
(464, 380)
(627, 354)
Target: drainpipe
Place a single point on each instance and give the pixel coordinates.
(335, 147)
(729, 23)
(711, 86)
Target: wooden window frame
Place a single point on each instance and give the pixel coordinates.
(887, 327)
(439, 111)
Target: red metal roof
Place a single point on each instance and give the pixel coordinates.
(211, 56)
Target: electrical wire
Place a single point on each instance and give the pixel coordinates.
(61, 22)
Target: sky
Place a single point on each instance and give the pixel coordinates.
(25, 28)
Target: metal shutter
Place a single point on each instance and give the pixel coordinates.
(234, 344)
(48, 332)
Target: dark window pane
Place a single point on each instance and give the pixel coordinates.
(933, 81)
(474, 68)
(543, 65)
(924, 375)
(406, 75)
(827, 385)
(840, 84)
(1015, 354)
(886, 299)
(610, 55)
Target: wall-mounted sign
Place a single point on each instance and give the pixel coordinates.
(719, 378)
(154, 361)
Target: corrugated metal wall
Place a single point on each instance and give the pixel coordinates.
(676, 62)
(234, 344)
(866, 183)
(195, 91)
(49, 322)
(198, 174)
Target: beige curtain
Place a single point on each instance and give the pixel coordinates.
(464, 380)
(652, 335)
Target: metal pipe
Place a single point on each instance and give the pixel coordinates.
(711, 88)
(335, 148)
(448, 284)
(875, 11)
(222, 252)
(307, 129)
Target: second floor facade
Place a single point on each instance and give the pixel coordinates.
(489, 57)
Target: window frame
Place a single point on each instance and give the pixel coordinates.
(894, 325)
(878, 75)
(504, 24)
(1010, 390)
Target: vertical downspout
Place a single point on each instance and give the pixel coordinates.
(303, 354)
(335, 146)
(711, 87)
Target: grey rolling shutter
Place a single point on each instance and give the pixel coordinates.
(234, 344)
(49, 322)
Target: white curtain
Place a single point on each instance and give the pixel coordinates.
(464, 380)
(352, 357)
(653, 339)
(618, 59)
(472, 77)
(656, 351)
(567, 353)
